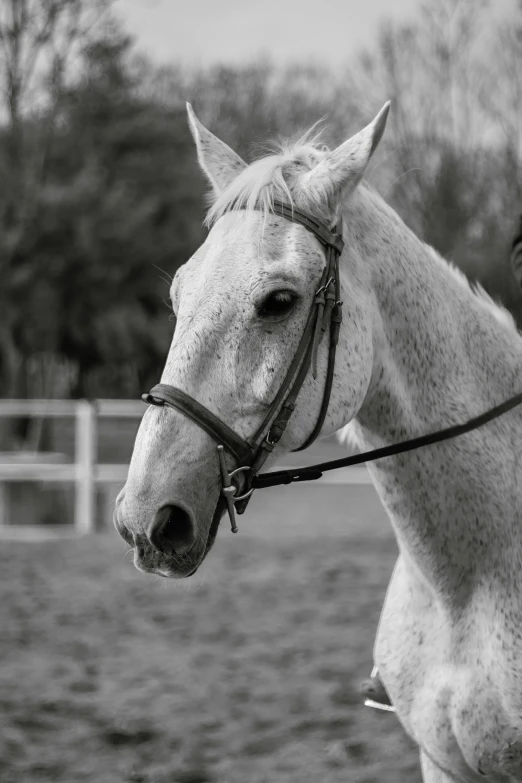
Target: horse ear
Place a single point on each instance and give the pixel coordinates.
(343, 168)
(218, 161)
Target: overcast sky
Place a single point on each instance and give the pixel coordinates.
(206, 31)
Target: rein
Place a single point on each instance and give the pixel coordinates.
(251, 453)
(312, 472)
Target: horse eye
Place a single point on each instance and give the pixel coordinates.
(277, 304)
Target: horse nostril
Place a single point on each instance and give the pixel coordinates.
(172, 531)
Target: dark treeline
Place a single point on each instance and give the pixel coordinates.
(102, 199)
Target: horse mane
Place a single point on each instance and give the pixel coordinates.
(274, 177)
(495, 308)
(501, 313)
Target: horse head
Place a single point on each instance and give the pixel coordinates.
(242, 303)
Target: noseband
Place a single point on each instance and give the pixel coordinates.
(252, 452)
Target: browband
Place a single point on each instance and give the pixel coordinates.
(324, 235)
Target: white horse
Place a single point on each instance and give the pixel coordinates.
(419, 350)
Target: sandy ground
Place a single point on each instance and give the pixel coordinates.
(247, 673)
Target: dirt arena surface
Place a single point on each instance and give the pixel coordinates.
(246, 673)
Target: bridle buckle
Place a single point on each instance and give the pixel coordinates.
(229, 489)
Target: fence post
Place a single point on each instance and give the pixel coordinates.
(85, 458)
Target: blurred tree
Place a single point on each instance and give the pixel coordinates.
(115, 204)
(102, 191)
(249, 104)
(39, 41)
(452, 176)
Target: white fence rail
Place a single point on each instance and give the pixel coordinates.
(85, 473)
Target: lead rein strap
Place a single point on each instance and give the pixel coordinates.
(313, 472)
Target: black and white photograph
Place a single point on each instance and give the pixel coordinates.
(260, 391)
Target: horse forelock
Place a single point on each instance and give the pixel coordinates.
(277, 177)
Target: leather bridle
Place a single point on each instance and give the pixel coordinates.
(251, 453)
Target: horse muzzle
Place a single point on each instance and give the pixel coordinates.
(171, 544)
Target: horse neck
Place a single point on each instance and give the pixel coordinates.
(442, 355)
